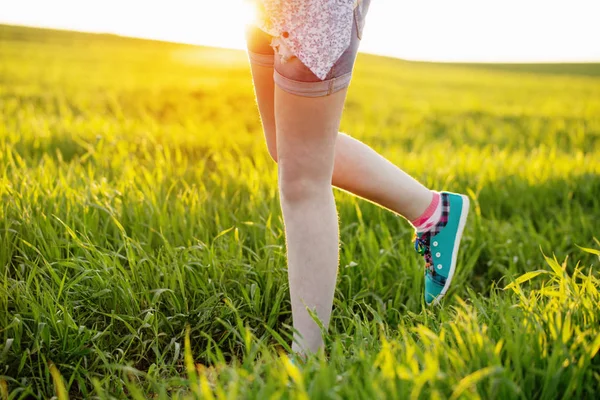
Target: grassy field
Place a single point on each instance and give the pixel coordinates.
(138, 198)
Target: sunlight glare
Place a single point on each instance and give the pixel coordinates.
(461, 30)
(226, 26)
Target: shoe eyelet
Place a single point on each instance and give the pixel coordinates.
(435, 243)
(438, 254)
(439, 266)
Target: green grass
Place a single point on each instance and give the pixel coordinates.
(138, 199)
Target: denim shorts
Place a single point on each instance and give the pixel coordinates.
(296, 78)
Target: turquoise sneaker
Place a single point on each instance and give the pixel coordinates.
(439, 246)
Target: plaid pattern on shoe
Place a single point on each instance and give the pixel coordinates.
(439, 246)
(444, 217)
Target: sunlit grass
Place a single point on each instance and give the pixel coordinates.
(138, 198)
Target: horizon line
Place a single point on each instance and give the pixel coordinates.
(189, 43)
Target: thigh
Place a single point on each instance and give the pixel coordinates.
(307, 129)
(261, 62)
(257, 41)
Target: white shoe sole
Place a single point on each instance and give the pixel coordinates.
(461, 227)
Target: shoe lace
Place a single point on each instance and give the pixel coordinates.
(422, 246)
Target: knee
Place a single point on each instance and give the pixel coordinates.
(299, 182)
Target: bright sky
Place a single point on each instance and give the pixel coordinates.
(443, 30)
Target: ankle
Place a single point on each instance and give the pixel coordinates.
(430, 216)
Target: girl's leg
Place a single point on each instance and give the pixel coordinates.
(358, 168)
(306, 136)
(362, 171)
(302, 136)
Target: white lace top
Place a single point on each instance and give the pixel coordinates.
(315, 31)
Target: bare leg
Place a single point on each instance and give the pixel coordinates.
(306, 136)
(362, 171)
(358, 168)
(302, 136)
